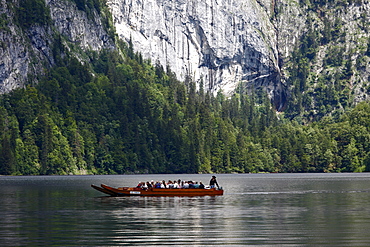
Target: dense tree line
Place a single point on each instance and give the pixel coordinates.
(120, 114)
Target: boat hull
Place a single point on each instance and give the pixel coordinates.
(108, 192)
(130, 191)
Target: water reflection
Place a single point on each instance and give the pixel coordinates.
(269, 209)
(161, 220)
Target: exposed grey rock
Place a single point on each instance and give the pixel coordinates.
(24, 54)
(14, 57)
(219, 42)
(86, 32)
(222, 42)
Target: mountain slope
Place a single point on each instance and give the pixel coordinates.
(35, 34)
(326, 67)
(222, 43)
(90, 103)
(311, 57)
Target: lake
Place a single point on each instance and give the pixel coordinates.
(256, 209)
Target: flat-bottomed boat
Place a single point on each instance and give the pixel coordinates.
(133, 191)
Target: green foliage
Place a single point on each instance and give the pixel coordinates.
(33, 12)
(131, 117)
(119, 114)
(367, 53)
(324, 72)
(4, 22)
(334, 57)
(88, 6)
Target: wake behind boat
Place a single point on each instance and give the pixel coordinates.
(134, 191)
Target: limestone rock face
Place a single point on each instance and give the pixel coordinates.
(24, 54)
(219, 42)
(14, 60)
(86, 32)
(15, 57)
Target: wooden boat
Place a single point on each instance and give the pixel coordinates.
(132, 191)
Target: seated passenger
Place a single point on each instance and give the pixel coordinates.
(164, 185)
(149, 185)
(170, 184)
(175, 185)
(191, 185)
(196, 185)
(186, 185)
(157, 185)
(201, 185)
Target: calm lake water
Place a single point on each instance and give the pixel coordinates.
(256, 209)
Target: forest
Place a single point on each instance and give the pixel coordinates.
(121, 115)
(114, 112)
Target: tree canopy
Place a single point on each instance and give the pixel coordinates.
(122, 115)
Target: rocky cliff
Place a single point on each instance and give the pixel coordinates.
(27, 44)
(220, 43)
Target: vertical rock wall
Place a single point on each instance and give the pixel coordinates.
(222, 42)
(25, 53)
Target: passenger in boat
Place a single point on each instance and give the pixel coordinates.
(164, 185)
(170, 184)
(175, 185)
(196, 185)
(213, 182)
(157, 185)
(191, 185)
(201, 185)
(186, 185)
(149, 185)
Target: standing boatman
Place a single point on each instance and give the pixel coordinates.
(213, 182)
